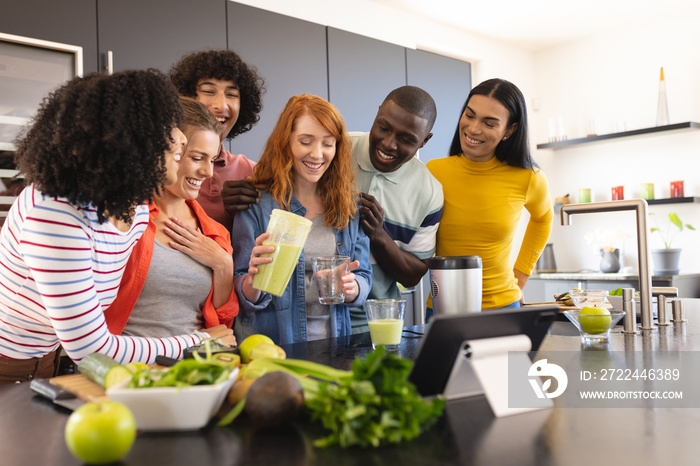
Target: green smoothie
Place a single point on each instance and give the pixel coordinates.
(273, 277)
(385, 332)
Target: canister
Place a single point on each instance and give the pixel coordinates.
(455, 284)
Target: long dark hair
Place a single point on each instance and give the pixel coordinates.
(515, 151)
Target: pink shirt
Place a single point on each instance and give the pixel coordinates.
(226, 168)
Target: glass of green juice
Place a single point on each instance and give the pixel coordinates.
(385, 320)
(288, 234)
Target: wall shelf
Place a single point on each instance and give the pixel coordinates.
(655, 129)
(673, 200)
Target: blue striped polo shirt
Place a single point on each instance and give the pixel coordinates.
(412, 201)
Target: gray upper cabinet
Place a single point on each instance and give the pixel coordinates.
(449, 82)
(68, 22)
(361, 72)
(293, 56)
(156, 33)
(289, 54)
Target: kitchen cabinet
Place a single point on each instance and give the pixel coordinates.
(139, 34)
(30, 69)
(341, 67)
(543, 287)
(654, 129)
(156, 33)
(295, 65)
(353, 72)
(448, 81)
(68, 22)
(361, 72)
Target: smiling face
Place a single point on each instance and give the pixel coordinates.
(173, 155)
(223, 99)
(482, 127)
(196, 164)
(313, 149)
(395, 137)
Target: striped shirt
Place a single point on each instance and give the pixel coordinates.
(59, 269)
(412, 202)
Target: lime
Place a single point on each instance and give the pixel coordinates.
(249, 343)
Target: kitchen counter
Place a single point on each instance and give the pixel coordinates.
(542, 287)
(31, 428)
(605, 276)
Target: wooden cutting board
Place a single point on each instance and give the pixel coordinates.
(84, 388)
(80, 386)
(562, 307)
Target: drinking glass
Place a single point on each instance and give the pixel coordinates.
(385, 320)
(328, 272)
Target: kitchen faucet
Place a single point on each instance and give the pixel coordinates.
(640, 206)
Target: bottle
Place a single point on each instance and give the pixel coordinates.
(662, 110)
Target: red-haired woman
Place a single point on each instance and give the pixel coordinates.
(305, 169)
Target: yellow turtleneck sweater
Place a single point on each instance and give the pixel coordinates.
(483, 204)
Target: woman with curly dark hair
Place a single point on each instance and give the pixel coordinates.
(98, 148)
(232, 91)
(305, 169)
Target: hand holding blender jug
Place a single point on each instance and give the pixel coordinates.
(288, 234)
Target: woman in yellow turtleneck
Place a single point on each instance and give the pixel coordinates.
(487, 180)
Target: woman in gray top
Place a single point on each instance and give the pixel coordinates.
(180, 276)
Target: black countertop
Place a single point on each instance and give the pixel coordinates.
(31, 428)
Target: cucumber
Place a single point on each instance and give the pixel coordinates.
(95, 367)
(116, 375)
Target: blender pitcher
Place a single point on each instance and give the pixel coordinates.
(288, 234)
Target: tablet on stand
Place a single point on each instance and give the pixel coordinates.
(469, 354)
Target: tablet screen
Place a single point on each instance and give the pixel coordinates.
(445, 335)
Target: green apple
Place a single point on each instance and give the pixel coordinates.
(100, 432)
(594, 320)
(251, 342)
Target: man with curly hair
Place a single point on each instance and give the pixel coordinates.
(232, 91)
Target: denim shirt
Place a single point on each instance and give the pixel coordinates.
(284, 319)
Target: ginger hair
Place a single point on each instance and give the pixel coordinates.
(274, 172)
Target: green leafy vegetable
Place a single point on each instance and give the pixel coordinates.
(618, 292)
(372, 405)
(183, 374)
(377, 406)
(233, 414)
